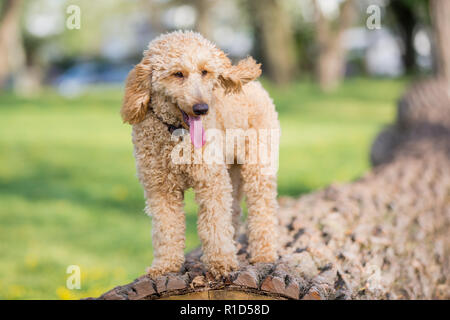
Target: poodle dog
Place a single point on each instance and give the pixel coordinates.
(186, 85)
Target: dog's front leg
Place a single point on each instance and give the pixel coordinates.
(168, 231)
(212, 186)
(261, 192)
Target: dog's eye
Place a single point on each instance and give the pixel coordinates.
(204, 72)
(178, 74)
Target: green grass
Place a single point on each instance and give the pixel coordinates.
(69, 193)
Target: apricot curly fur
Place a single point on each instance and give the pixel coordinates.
(235, 101)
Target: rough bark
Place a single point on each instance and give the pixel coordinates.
(329, 34)
(440, 17)
(384, 236)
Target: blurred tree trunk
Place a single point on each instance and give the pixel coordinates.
(12, 53)
(329, 34)
(154, 11)
(406, 20)
(273, 24)
(440, 16)
(203, 23)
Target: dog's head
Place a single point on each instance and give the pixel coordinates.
(179, 73)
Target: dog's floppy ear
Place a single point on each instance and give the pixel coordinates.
(137, 94)
(233, 78)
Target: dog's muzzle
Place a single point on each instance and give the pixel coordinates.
(200, 109)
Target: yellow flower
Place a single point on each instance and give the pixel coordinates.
(31, 261)
(65, 294)
(96, 273)
(16, 292)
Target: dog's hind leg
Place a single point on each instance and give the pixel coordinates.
(236, 181)
(261, 190)
(212, 186)
(168, 230)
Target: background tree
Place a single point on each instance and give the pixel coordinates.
(274, 35)
(12, 55)
(330, 65)
(440, 17)
(406, 20)
(408, 16)
(203, 21)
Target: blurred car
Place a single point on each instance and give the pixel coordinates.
(78, 78)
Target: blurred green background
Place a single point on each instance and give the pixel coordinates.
(68, 188)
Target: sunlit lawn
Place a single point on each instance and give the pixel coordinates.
(69, 193)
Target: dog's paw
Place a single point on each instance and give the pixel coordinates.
(264, 258)
(159, 270)
(221, 271)
(222, 268)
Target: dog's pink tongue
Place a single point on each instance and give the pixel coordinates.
(196, 131)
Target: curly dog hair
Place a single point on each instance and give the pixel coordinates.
(185, 81)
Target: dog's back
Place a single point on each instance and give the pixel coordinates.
(252, 108)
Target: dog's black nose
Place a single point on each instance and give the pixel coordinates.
(200, 108)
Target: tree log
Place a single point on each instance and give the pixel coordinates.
(384, 236)
(422, 113)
